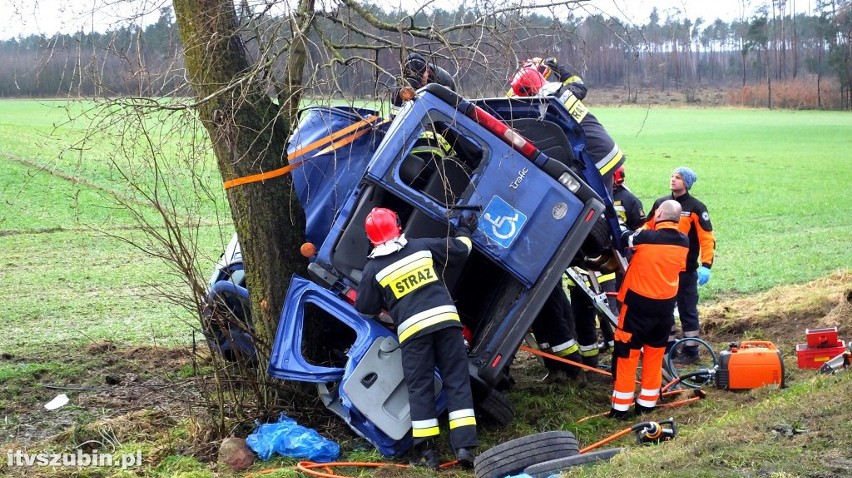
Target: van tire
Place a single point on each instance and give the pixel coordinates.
(496, 408)
(514, 456)
(547, 468)
(598, 241)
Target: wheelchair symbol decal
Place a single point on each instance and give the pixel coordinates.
(498, 223)
(501, 222)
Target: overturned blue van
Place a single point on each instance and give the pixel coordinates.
(543, 205)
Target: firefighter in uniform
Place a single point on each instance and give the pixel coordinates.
(555, 327)
(431, 145)
(628, 207)
(555, 331)
(531, 80)
(631, 215)
(695, 223)
(403, 276)
(647, 298)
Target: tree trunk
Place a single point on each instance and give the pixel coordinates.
(795, 44)
(819, 73)
(248, 133)
(768, 81)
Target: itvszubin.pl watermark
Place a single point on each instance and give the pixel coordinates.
(78, 458)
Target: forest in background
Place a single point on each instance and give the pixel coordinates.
(805, 58)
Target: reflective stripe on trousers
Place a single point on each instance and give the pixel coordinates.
(625, 377)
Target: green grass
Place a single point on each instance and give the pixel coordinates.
(773, 182)
(69, 289)
(66, 282)
(751, 439)
(61, 204)
(104, 156)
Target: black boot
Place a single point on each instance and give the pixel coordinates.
(573, 371)
(619, 414)
(669, 350)
(555, 376)
(426, 455)
(591, 361)
(465, 457)
(642, 410)
(689, 356)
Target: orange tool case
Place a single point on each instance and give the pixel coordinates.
(751, 364)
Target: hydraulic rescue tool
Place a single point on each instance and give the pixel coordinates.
(646, 433)
(655, 432)
(584, 280)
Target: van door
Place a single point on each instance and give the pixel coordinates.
(345, 333)
(358, 370)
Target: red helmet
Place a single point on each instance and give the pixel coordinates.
(539, 65)
(618, 176)
(527, 81)
(382, 225)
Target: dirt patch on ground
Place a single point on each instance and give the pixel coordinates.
(783, 313)
(101, 382)
(703, 96)
(156, 358)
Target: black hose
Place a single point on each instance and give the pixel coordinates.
(709, 373)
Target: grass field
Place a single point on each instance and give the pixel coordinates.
(774, 182)
(67, 280)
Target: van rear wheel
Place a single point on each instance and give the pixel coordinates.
(496, 408)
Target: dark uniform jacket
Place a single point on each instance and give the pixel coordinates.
(695, 223)
(408, 283)
(600, 145)
(628, 207)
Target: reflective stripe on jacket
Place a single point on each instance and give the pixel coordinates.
(408, 284)
(695, 223)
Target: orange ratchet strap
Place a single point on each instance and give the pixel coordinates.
(332, 138)
(563, 360)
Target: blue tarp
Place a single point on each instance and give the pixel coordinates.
(287, 438)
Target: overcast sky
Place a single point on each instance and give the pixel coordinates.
(24, 17)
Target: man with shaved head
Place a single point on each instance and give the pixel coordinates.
(647, 296)
(669, 211)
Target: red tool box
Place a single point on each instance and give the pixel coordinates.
(819, 338)
(821, 345)
(815, 357)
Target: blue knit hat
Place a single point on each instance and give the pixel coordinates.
(688, 176)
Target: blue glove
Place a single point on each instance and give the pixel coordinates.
(703, 275)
